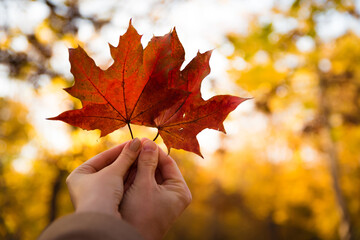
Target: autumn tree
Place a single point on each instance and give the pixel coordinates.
(287, 169)
(293, 69)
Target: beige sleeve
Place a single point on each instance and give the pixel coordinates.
(89, 226)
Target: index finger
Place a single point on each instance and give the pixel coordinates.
(168, 167)
(105, 158)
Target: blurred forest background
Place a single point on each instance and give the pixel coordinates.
(289, 167)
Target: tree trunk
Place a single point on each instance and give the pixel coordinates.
(330, 149)
(53, 203)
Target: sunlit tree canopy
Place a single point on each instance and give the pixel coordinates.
(289, 165)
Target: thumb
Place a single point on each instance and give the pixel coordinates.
(147, 162)
(126, 158)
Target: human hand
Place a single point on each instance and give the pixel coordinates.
(97, 185)
(155, 198)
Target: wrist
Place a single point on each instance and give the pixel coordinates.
(97, 207)
(149, 231)
(149, 234)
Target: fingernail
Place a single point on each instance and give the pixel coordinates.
(135, 145)
(149, 146)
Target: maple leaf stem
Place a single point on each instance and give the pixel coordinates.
(156, 136)
(132, 136)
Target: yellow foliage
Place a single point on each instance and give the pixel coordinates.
(278, 184)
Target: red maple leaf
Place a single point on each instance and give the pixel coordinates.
(133, 89)
(146, 87)
(179, 125)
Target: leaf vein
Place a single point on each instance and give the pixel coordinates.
(84, 72)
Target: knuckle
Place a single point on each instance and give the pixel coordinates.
(68, 180)
(148, 160)
(118, 193)
(149, 163)
(185, 197)
(188, 198)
